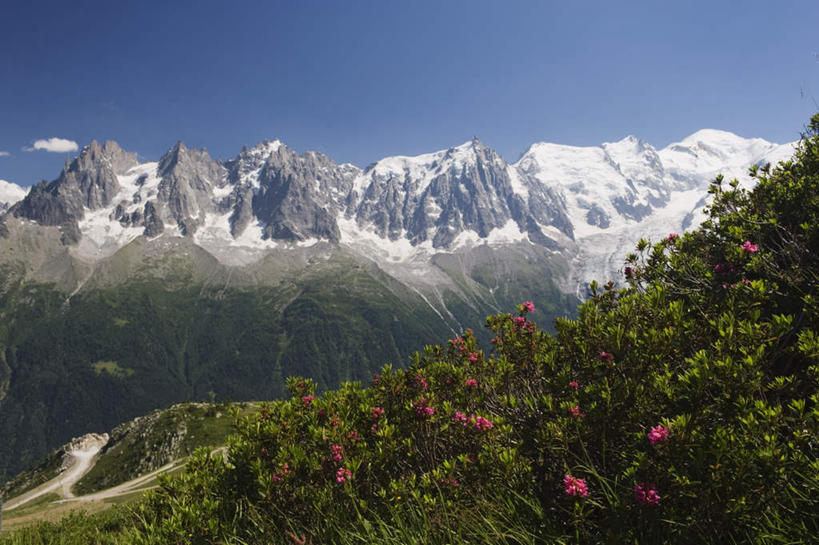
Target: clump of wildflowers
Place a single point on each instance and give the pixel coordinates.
(750, 248)
(460, 417)
(337, 451)
(575, 486)
(575, 412)
(422, 408)
(658, 434)
(307, 400)
(574, 384)
(482, 423)
(378, 412)
(278, 476)
(646, 494)
(606, 357)
(528, 306)
(343, 474)
(471, 382)
(671, 237)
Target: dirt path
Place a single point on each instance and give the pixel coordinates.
(127, 487)
(83, 460)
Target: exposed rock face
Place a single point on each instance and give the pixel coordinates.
(555, 196)
(88, 182)
(185, 193)
(438, 196)
(88, 442)
(300, 196)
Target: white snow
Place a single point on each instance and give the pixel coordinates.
(367, 240)
(508, 234)
(670, 184)
(584, 175)
(102, 234)
(677, 175)
(517, 184)
(709, 152)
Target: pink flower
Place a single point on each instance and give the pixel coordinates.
(528, 306)
(520, 321)
(460, 417)
(575, 486)
(750, 248)
(378, 412)
(422, 410)
(646, 494)
(658, 434)
(574, 385)
(482, 423)
(343, 474)
(473, 357)
(277, 477)
(576, 412)
(606, 357)
(307, 400)
(471, 382)
(671, 237)
(421, 382)
(337, 451)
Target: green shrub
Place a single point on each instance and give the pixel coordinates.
(681, 408)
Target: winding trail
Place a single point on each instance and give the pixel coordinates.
(83, 461)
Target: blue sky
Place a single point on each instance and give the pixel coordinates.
(361, 80)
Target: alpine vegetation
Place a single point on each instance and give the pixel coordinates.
(679, 408)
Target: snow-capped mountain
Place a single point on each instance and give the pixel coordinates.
(619, 192)
(589, 203)
(129, 285)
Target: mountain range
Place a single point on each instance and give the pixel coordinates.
(127, 285)
(397, 210)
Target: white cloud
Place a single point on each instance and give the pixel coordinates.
(58, 145)
(10, 193)
(4, 154)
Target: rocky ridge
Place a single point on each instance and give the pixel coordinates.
(560, 198)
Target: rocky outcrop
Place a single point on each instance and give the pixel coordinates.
(88, 182)
(437, 197)
(299, 196)
(185, 193)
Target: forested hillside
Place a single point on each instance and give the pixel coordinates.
(681, 408)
